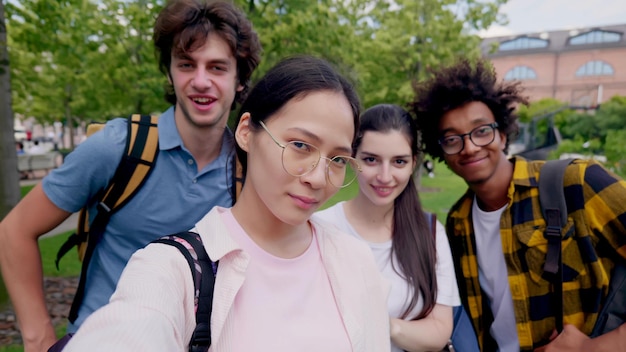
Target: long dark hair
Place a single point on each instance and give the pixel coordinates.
(412, 239)
(293, 78)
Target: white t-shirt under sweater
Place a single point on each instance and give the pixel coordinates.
(291, 298)
(493, 277)
(399, 296)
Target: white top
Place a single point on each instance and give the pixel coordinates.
(399, 296)
(152, 308)
(493, 276)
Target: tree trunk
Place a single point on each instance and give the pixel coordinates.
(9, 180)
(9, 177)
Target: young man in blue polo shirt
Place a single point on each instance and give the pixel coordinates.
(207, 50)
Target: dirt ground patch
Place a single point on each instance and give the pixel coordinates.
(59, 294)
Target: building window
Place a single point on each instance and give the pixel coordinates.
(595, 68)
(523, 43)
(595, 37)
(520, 73)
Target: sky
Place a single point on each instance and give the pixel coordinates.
(530, 16)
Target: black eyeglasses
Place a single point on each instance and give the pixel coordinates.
(481, 136)
(299, 158)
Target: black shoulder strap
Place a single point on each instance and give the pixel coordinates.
(203, 272)
(138, 160)
(554, 209)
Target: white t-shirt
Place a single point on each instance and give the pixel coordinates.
(493, 277)
(399, 296)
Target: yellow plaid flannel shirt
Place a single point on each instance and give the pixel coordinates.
(596, 201)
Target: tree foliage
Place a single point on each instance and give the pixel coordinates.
(82, 59)
(592, 132)
(88, 60)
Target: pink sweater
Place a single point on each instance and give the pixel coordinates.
(153, 309)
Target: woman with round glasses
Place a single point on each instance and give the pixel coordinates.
(387, 215)
(284, 282)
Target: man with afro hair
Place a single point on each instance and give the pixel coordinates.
(496, 229)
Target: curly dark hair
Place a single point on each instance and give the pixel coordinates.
(183, 26)
(454, 86)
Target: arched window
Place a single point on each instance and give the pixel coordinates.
(523, 43)
(520, 73)
(594, 37)
(595, 68)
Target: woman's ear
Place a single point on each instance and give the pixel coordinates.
(243, 132)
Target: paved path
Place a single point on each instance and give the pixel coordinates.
(68, 225)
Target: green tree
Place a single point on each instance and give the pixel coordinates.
(382, 45)
(611, 116)
(401, 40)
(540, 108)
(96, 62)
(615, 151)
(60, 55)
(84, 60)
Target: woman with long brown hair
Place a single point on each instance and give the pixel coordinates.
(388, 216)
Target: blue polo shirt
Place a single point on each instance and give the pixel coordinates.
(175, 196)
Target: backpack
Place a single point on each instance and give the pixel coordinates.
(139, 158)
(554, 209)
(203, 272)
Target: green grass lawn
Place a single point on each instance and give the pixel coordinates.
(25, 189)
(439, 193)
(68, 266)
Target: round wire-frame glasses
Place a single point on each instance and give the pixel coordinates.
(299, 158)
(481, 136)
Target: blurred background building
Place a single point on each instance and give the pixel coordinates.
(582, 67)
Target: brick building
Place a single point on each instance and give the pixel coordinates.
(582, 67)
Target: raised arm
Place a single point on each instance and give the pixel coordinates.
(152, 308)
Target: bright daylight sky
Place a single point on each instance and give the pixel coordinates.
(529, 16)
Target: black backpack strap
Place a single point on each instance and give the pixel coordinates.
(138, 160)
(554, 209)
(203, 272)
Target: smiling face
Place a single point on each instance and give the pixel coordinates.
(323, 119)
(205, 83)
(387, 164)
(476, 165)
